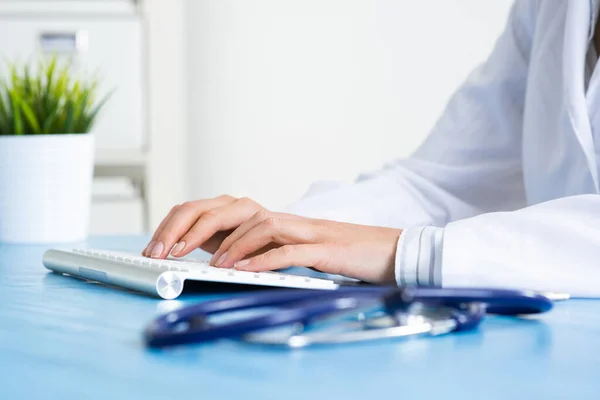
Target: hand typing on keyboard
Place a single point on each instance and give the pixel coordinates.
(242, 234)
(199, 224)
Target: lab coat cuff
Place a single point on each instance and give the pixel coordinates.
(419, 257)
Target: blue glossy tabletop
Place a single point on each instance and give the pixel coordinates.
(61, 338)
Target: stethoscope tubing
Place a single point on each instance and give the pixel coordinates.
(308, 305)
(190, 324)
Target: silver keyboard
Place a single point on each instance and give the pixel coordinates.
(163, 278)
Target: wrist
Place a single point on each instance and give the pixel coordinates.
(389, 273)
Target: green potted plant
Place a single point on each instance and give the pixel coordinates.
(46, 152)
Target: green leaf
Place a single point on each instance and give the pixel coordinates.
(92, 116)
(48, 99)
(47, 128)
(80, 107)
(38, 80)
(18, 122)
(27, 88)
(75, 89)
(50, 72)
(14, 76)
(49, 80)
(62, 82)
(30, 116)
(4, 117)
(69, 119)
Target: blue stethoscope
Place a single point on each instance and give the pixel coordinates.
(299, 318)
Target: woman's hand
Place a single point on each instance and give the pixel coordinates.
(202, 223)
(366, 253)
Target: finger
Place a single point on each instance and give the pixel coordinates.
(272, 230)
(215, 220)
(240, 231)
(212, 244)
(181, 221)
(302, 255)
(159, 229)
(259, 217)
(244, 228)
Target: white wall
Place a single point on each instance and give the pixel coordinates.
(167, 81)
(285, 92)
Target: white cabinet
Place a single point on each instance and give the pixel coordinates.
(117, 207)
(103, 37)
(110, 46)
(119, 217)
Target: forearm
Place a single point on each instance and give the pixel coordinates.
(396, 197)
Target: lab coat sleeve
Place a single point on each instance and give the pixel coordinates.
(551, 246)
(469, 164)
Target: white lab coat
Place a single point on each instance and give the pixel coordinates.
(507, 181)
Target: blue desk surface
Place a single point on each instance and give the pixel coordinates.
(61, 338)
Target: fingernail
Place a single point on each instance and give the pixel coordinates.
(178, 247)
(241, 263)
(221, 259)
(157, 249)
(148, 249)
(212, 259)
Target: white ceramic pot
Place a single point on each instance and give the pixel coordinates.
(45, 187)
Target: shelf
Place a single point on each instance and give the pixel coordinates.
(112, 188)
(68, 7)
(120, 158)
